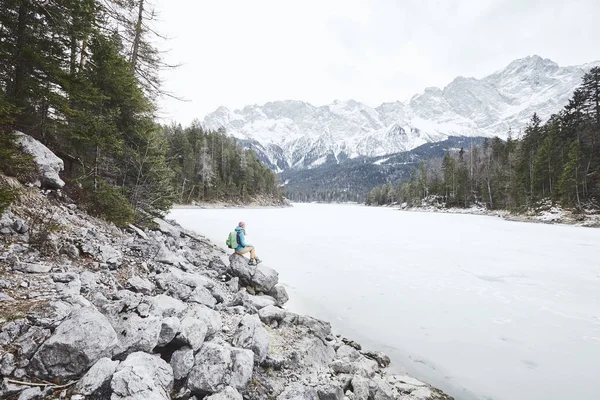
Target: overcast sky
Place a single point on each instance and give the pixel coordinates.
(239, 52)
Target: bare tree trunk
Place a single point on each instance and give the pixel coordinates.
(138, 35)
(82, 59)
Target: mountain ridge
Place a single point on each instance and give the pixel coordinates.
(296, 134)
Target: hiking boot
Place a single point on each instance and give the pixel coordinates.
(252, 261)
(257, 260)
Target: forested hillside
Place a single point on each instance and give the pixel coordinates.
(83, 77)
(557, 160)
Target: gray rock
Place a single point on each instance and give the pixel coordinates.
(259, 302)
(140, 285)
(216, 367)
(32, 268)
(234, 284)
(20, 226)
(167, 228)
(164, 306)
(10, 389)
(362, 366)
(12, 330)
(138, 231)
(49, 164)
(169, 329)
(279, 294)
(198, 323)
(33, 393)
(259, 277)
(98, 376)
(136, 333)
(142, 377)
(382, 359)
(360, 387)
(228, 393)
(381, 390)
(7, 364)
(251, 334)
(77, 343)
(28, 343)
(5, 297)
(182, 362)
(51, 314)
(89, 281)
(201, 295)
(185, 278)
(166, 256)
(110, 255)
(330, 392)
(217, 265)
(298, 391)
(70, 250)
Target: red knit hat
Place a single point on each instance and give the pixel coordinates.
(242, 224)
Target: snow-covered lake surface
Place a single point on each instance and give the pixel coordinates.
(478, 306)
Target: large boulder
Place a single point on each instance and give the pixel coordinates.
(198, 323)
(77, 343)
(142, 376)
(279, 294)
(97, 378)
(182, 362)
(228, 393)
(137, 334)
(298, 391)
(169, 329)
(251, 334)
(217, 366)
(49, 164)
(261, 278)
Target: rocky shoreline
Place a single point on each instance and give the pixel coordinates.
(88, 310)
(544, 214)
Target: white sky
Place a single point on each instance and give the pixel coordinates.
(239, 52)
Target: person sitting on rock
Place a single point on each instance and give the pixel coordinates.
(244, 247)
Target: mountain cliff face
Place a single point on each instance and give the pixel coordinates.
(296, 134)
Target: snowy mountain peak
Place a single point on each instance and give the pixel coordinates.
(297, 134)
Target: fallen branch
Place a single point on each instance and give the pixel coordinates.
(55, 387)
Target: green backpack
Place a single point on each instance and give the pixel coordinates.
(231, 241)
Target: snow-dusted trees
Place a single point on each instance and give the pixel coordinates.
(558, 160)
(210, 166)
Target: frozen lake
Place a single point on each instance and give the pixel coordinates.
(478, 306)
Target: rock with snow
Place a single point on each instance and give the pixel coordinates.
(49, 164)
(76, 344)
(217, 366)
(182, 362)
(142, 376)
(97, 378)
(251, 334)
